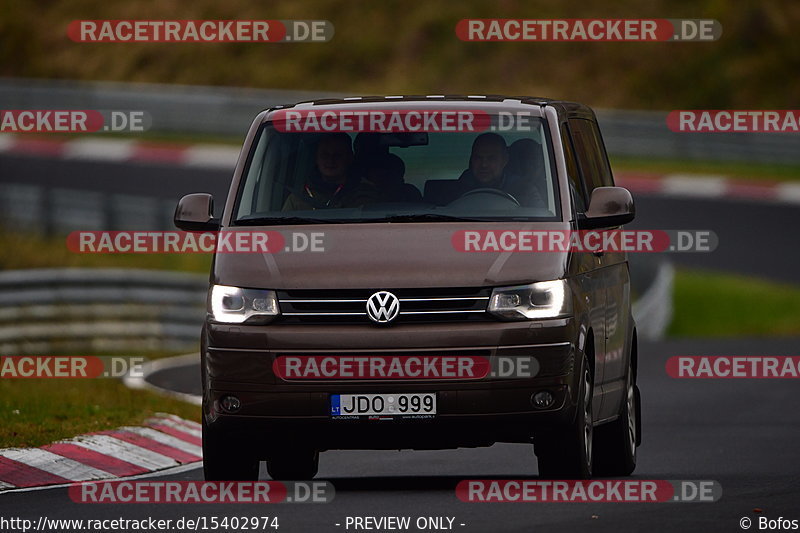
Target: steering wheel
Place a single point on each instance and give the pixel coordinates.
(489, 190)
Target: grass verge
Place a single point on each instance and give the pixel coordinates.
(35, 251)
(736, 170)
(725, 305)
(39, 411)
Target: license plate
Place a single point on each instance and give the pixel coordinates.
(400, 404)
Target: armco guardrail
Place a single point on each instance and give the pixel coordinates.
(653, 309)
(219, 111)
(68, 310)
(49, 210)
(229, 111)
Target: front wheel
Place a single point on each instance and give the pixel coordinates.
(567, 453)
(223, 460)
(615, 443)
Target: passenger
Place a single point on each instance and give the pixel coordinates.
(526, 160)
(487, 169)
(385, 172)
(332, 183)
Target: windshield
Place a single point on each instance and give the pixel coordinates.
(368, 176)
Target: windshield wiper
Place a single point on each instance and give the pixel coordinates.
(412, 217)
(427, 217)
(285, 221)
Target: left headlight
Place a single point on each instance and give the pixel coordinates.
(234, 305)
(543, 299)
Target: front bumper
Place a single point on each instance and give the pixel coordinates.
(237, 360)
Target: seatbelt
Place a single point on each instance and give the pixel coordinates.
(310, 194)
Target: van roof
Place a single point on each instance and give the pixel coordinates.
(509, 100)
(565, 108)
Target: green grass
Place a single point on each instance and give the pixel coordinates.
(743, 171)
(35, 251)
(35, 412)
(39, 411)
(725, 305)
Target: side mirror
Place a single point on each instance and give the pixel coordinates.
(608, 207)
(195, 212)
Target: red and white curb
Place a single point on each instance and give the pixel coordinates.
(216, 156)
(165, 441)
(708, 186)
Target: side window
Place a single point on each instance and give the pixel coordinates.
(605, 166)
(575, 185)
(590, 154)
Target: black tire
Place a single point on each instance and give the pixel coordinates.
(615, 443)
(223, 460)
(567, 453)
(293, 465)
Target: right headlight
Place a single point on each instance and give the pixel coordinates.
(543, 299)
(233, 305)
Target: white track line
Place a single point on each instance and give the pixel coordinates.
(124, 450)
(99, 149)
(211, 156)
(688, 185)
(55, 464)
(788, 192)
(140, 382)
(6, 142)
(163, 438)
(189, 423)
(176, 425)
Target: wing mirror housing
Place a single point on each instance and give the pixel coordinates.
(608, 207)
(195, 212)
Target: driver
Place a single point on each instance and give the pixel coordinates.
(487, 170)
(332, 184)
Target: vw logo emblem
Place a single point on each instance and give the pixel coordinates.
(383, 307)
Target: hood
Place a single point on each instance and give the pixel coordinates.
(388, 255)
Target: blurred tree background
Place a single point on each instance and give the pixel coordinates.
(396, 46)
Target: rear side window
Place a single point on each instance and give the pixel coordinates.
(575, 185)
(590, 154)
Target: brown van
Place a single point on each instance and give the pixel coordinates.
(412, 288)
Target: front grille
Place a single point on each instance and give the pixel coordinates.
(416, 305)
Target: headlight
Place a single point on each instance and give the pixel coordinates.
(233, 305)
(543, 299)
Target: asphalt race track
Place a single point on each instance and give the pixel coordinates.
(742, 433)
